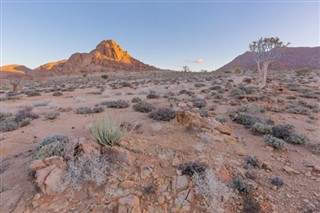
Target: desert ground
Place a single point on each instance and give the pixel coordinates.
(193, 142)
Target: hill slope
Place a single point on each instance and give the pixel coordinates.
(292, 59)
(14, 69)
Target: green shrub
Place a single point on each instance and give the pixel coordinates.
(199, 103)
(274, 142)
(51, 146)
(143, 106)
(107, 131)
(8, 124)
(249, 120)
(97, 109)
(295, 109)
(25, 114)
(163, 114)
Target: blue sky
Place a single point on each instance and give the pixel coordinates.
(165, 34)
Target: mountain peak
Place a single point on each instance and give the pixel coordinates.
(110, 50)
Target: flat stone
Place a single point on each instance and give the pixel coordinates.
(180, 183)
(127, 184)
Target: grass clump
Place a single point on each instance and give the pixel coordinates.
(25, 114)
(261, 128)
(276, 143)
(143, 106)
(241, 186)
(163, 114)
(51, 146)
(118, 104)
(107, 131)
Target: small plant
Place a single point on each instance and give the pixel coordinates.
(83, 110)
(199, 103)
(143, 106)
(163, 114)
(97, 109)
(241, 186)
(282, 131)
(57, 94)
(250, 205)
(152, 96)
(136, 100)
(8, 124)
(237, 93)
(249, 120)
(191, 168)
(251, 161)
(118, 104)
(274, 142)
(25, 114)
(104, 77)
(87, 169)
(51, 115)
(51, 146)
(296, 139)
(298, 110)
(277, 181)
(261, 128)
(314, 148)
(107, 131)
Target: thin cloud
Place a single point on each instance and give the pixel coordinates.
(198, 61)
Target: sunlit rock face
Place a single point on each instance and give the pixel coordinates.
(107, 56)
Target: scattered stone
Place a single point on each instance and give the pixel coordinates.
(129, 204)
(290, 170)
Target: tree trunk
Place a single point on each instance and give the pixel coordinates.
(263, 81)
(14, 87)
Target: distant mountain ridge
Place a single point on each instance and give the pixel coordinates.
(293, 58)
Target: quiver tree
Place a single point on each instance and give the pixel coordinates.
(265, 51)
(15, 80)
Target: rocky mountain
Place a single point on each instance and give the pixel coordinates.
(107, 56)
(293, 58)
(14, 69)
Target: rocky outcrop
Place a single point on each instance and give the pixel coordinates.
(107, 56)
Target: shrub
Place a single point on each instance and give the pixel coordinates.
(277, 181)
(241, 186)
(104, 77)
(87, 169)
(97, 109)
(51, 146)
(57, 94)
(32, 93)
(237, 93)
(210, 190)
(251, 161)
(282, 131)
(249, 120)
(152, 96)
(8, 124)
(295, 109)
(25, 114)
(51, 115)
(315, 148)
(143, 106)
(199, 103)
(107, 131)
(83, 110)
(274, 142)
(118, 104)
(136, 100)
(191, 168)
(261, 128)
(163, 114)
(250, 205)
(296, 139)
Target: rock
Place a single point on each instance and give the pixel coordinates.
(180, 183)
(190, 119)
(146, 172)
(127, 184)
(316, 168)
(290, 170)
(88, 147)
(224, 129)
(129, 204)
(41, 176)
(54, 160)
(230, 139)
(161, 199)
(240, 152)
(184, 200)
(53, 182)
(224, 175)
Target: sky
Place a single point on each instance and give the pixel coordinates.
(166, 34)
